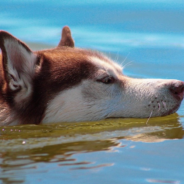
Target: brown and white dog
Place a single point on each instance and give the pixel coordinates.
(67, 84)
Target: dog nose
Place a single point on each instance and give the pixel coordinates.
(177, 89)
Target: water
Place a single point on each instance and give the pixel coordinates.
(144, 35)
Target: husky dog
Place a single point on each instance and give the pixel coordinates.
(68, 84)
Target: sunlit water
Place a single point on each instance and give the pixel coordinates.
(145, 36)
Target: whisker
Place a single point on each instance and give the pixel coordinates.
(149, 117)
(127, 64)
(124, 60)
(117, 56)
(164, 104)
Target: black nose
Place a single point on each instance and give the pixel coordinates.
(177, 89)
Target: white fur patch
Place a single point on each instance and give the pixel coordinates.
(92, 101)
(110, 67)
(70, 106)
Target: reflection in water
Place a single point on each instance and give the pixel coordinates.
(23, 147)
(13, 164)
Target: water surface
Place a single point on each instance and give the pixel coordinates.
(145, 36)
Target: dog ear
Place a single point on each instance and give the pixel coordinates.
(66, 38)
(18, 63)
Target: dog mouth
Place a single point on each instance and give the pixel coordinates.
(173, 110)
(167, 112)
(163, 106)
(153, 113)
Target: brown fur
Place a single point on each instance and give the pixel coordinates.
(51, 79)
(66, 38)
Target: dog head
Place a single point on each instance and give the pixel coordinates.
(72, 84)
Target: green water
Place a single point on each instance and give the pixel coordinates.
(110, 151)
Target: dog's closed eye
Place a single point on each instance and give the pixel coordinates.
(106, 80)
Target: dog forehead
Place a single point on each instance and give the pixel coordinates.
(66, 65)
(75, 58)
(64, 54)
(105, 65)
(63, 57)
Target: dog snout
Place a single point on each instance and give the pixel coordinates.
(177, 89)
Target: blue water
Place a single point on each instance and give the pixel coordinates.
(147, 36)
(146, 31)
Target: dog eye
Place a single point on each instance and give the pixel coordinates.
(107, 80)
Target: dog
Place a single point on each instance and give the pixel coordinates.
(69, 84)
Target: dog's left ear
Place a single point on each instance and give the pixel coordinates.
(66, 38)
(18, 64)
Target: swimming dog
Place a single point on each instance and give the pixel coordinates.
(68, 84)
